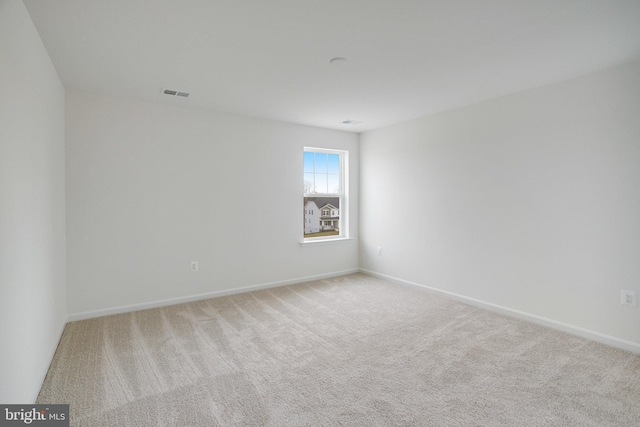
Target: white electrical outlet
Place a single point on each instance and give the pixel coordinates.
(628, 298)
(194, 265)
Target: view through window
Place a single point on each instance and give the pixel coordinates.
(324, 194)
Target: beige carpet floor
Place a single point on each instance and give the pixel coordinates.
(348, 351)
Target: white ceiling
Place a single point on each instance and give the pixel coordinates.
(270, 58)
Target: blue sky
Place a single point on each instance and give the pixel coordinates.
(322, 171)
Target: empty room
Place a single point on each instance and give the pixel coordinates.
(320, 213)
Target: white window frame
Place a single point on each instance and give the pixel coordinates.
(343, 196)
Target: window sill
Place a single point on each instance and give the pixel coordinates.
(325, 241)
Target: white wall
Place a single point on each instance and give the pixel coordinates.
(32, 207)
(151, 187)
(530, 202)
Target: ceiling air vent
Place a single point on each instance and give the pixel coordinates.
(175, 93)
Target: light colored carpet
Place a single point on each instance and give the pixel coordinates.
(348, 351)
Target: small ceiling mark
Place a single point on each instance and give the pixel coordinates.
(175, 93)
(351, 122)
(338, 61)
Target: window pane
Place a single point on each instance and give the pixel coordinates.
(308, 183)
(321, 183)
(321, 163)
(328, 225)
(334, 163)
(333, 183)
(308, 161)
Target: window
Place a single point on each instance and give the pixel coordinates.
(325, 194)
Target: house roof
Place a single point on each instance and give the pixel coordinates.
(323, 201)
(328, 205)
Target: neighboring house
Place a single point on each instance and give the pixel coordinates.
(326, 218)
(329, 218)
(311, 218)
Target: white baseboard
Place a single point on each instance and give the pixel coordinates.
(564, 327)
(52, 353)
(179, 300)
